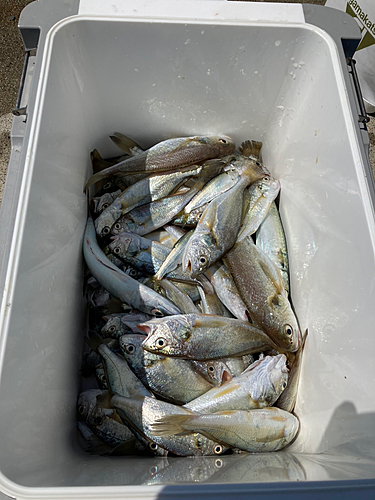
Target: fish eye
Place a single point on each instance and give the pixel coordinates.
(153, 470)
(218, 463)
(107, 185)
(157, 313)
(130, 348)
(132, 272)
(117, 225)
(200, 215)
(106, 230)
(211, 369)
(218, 449)
(111, 329)
(102, 377)
(160, 343)
(223, 141)
(284, 385)
(153, 446)
(81, 410)
(106, 205)
(116, 250)
(257, 163)
(202, 260)
(288, 330)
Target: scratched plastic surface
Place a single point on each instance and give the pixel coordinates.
(281, 85)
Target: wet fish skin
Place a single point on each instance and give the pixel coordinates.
(178, 296)
(271, 239)
(173, 379)
(262, 195)
(203, 337)
(120, 378)
(145, 255)
(225, 288)
(104, 423)
(174, 258)
(216, 230)
(253, 167)
(104, 201)
(262, 289)
(114, 328)
(142, 412)
(151, 188)
(170, 154)
(263, 430)
(258, 386)
(287, 399)
(214, 371)
(210, 302)
(118, 283)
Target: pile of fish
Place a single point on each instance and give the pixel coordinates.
(193, 343)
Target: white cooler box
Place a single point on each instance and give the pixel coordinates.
(154, 70)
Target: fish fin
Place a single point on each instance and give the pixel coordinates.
(274, 277)
(187, 141)
(251, 148)
(125, 143)
(252, 366)
(104, 400)
(210, 320)
(93, 340)
(168, 425)
(99, 176)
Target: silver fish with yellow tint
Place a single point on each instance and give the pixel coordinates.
(203, 337)
(174, 258)
(287, 400)
(262, 194)
(255, 431)
(141, 413)
(271, 239)
(258, 386)
(171, 378)
(227, 291)
(151, 188)
(177, 295)
(216, 231)
(168, 155)
(262, 289)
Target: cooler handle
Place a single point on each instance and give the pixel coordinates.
(18, 111)
(362, 111)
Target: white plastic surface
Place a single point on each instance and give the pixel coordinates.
(277, 83)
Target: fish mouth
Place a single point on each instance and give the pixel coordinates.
(144, 328)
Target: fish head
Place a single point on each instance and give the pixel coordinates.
(268, 379)
(270, 187)
(223, 144)
(166, 336)
(124, 244)
(288, 332)
(104, 223)
(131, 346)
(197, 256)
(113, 323)
(86, 403)
(121, 225)
(208, 447)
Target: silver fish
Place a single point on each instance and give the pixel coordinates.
(262, 289)
(169, 154)
(258, 386)
(270, 238)
(171, 378)
(203, 337)
(267, 429)
(118, 283)
(143, 412)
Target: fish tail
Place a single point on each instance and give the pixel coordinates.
(251, 148)
(125, 143)
(96, 178)
(168, 425)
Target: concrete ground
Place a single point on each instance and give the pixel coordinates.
(11, 60)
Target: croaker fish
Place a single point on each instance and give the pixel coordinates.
(262, 289)
(268, 429)
(168, 155)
